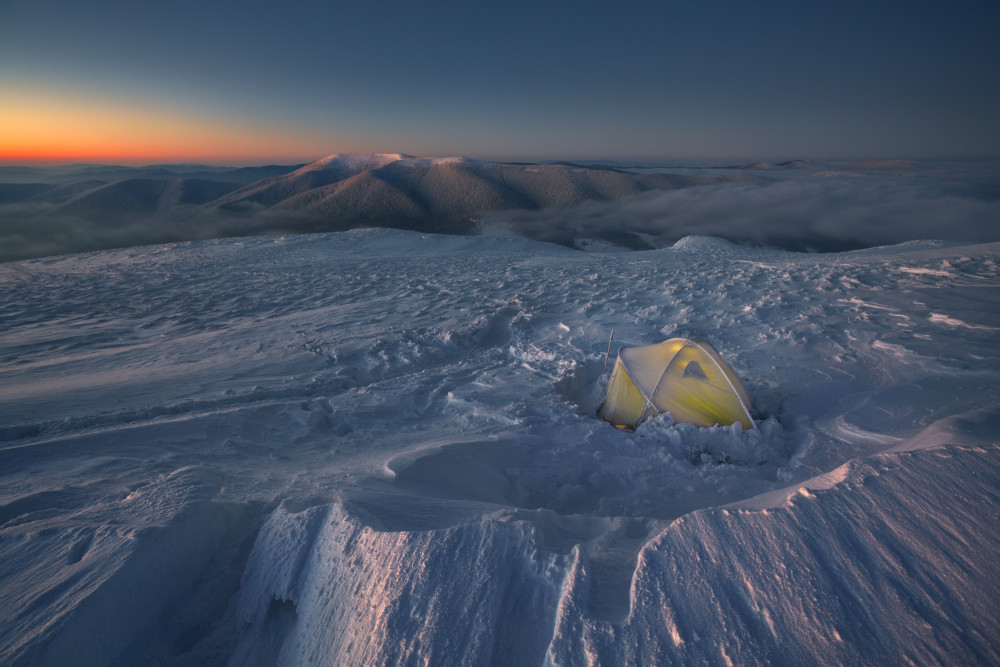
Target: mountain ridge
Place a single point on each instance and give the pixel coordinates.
(351, 189)
(94, 207)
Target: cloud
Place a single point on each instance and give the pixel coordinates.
(807, 211)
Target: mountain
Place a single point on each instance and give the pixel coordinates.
(442, 194)
(61, 194)
(271, 191)
(337, 192)
(74, 173)
(80, 208)
(144, 195)
(815, 205)
(11, 193)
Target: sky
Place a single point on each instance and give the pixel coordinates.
(699, 83)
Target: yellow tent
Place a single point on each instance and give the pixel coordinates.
(686, 378)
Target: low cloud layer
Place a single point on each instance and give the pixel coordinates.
(814, 212)
(799, 210)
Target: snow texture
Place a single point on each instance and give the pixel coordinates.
(380, 447)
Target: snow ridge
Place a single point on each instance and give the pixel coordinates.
(354, 603)
(353, 162)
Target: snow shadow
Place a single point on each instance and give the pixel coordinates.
(585, 385)
(605, 493)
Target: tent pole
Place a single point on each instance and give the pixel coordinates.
(608, 355)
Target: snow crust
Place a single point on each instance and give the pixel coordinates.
(380, 447)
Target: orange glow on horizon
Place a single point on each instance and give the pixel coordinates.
(49, 128)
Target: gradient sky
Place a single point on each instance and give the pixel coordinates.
(238, 82)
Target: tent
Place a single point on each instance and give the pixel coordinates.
(686, 378)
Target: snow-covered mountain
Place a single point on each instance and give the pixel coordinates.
(91, 207)
(380, 447)
(431, 193)
(792, 205)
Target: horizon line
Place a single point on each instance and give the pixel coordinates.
(675, 162)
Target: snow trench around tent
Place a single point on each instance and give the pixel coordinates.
(382, 447)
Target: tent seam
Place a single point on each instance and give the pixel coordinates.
(665, 369)
(739, 398)
(649, 401)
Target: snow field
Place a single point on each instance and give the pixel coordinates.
(380, 447)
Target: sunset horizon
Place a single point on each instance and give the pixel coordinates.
(61, 160)
(641, 82)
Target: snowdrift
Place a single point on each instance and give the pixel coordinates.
(383, 447)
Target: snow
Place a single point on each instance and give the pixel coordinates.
(354, 162)
(381, 447)
(359, 162)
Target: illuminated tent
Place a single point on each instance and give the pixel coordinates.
(686, 378)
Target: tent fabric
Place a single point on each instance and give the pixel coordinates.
(686, 378)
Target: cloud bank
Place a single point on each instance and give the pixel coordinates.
(814, 212)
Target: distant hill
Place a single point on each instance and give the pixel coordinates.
(343, 191)
(144, 195)
(11, 193)
(91, 207)
(336, 192)
(75, 173)
(870, 164)
(880, 164)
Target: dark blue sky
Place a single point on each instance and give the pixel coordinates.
(701, 82)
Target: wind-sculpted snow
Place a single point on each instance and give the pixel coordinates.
(868, 571)
(349, 595)
(380, 447)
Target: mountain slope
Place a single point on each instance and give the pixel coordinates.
(146, 196)
(11, 193)
(326, 171)
(398, 190)
(360, 200)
